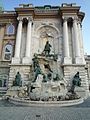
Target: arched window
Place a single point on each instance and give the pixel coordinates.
(10, 29)
(8, 51)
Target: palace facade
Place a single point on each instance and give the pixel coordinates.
(25, 31)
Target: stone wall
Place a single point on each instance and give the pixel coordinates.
(87, 58)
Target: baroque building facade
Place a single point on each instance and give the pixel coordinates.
(25, 31)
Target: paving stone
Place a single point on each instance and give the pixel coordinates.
(77, 112)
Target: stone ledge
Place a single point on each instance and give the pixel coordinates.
(19, 64)
(23, 102)
(73, 65)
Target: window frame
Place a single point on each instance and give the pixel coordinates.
(4, 52)
(8, 31)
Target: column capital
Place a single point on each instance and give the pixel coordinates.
(80, 22)
(65, 18)
(19, 18)
(75, 19)
(30, 18)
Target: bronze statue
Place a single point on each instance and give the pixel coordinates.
(47, 48)
(49, 76)
(75, 82)
(37, 72)
(44, 78)
(47, 66)
(57, 78)
(17, 81)
(35, 61)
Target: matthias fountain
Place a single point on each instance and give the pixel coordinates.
(46, 84)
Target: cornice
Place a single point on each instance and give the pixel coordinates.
(81, 15)
(41, 12)
(71, 9)
(24, 10)
(8, 15)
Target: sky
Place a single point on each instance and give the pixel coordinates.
(85, 7)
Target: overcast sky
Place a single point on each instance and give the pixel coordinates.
(85, 7)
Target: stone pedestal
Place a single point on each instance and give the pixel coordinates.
(67, 60)
(79, 60)
(15, 60)
(26, 60)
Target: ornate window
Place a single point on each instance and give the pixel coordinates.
(10, 29)
(8, 49)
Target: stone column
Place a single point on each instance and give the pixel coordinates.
(67, 59)
(16, 58)
(76, 42)
(27, 59)
(1, 38)
(81, 40)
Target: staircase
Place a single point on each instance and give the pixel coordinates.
(3, 91)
